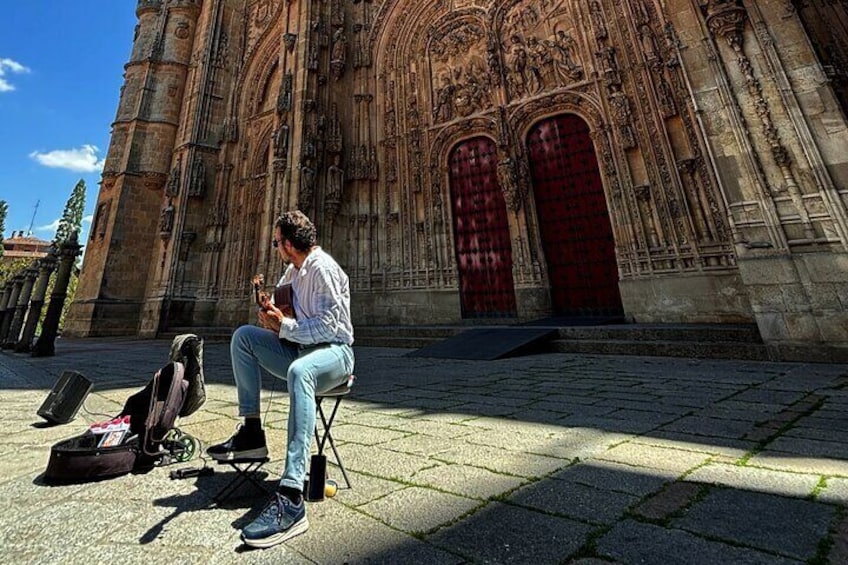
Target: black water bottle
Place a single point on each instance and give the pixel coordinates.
(317, 478)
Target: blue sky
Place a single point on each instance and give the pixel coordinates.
(61, 69)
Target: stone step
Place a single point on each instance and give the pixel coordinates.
(707, 341)
(711, 333)
(207, 333)
(438, 332)
(408, 342)
(691, 349)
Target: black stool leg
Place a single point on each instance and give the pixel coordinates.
(243, 475)
(328, 423)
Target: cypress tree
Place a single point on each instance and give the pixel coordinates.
(72, 216)
(4, 209)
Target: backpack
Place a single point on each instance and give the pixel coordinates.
(152, 438)
(188, 350)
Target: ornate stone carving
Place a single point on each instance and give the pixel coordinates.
(334, 132)
(197, 183)
(598, 20)
(508, 181)
(222, 50)
(621, 111)
(281, 141)
(338, 56)
(726, 18)
(307, 185)
(166, 220)
(284, 99)
(174, 179)
(335, 188)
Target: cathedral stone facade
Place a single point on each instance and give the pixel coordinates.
(665, 160)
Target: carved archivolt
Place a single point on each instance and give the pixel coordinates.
(257, 84)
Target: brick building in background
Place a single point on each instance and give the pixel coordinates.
(19, 246)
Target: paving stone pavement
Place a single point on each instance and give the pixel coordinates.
(553, 458)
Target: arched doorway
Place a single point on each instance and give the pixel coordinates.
(574, 223)
(483, 247)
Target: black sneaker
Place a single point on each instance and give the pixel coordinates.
(244, 445)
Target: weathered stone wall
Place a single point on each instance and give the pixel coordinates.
(719, 142)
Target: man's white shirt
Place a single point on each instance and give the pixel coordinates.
(321, 300)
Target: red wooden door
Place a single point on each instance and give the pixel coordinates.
(483, 247)
(577, 236)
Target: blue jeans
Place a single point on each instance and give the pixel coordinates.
(307, 370)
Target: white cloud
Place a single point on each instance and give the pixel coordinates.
(54, 225)
(8, 65)
(51, 227)
(81, 160)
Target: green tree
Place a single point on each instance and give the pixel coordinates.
(10, 268)
(72, 216)
(4, 209)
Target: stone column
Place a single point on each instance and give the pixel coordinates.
(46, 267)
(4, 300)
(17, 283)
(21, 307)
(68, 253)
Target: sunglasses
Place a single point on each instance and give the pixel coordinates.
(275, 243)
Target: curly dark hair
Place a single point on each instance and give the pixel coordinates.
(296, 227)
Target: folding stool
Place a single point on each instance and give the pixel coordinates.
(325, 435)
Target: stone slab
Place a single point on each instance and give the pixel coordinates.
(789, 527)
(634, 542)
(756, 479)
(501, 533)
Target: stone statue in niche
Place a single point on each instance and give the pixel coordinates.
(535, 83)
(443, 107)
(197, 186)
(542, 62)
(309, 150)
(312, 61)
(307, 182)
(564, 49)
(281, 140)
(173, 186)
(335, 181)
(518, 72)
(373, 172)
(284, 100)
(508, 181)
(338, 53)
(609, 66)
(622, 114)
(649, 45)
(166, 218)
(598, 20)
